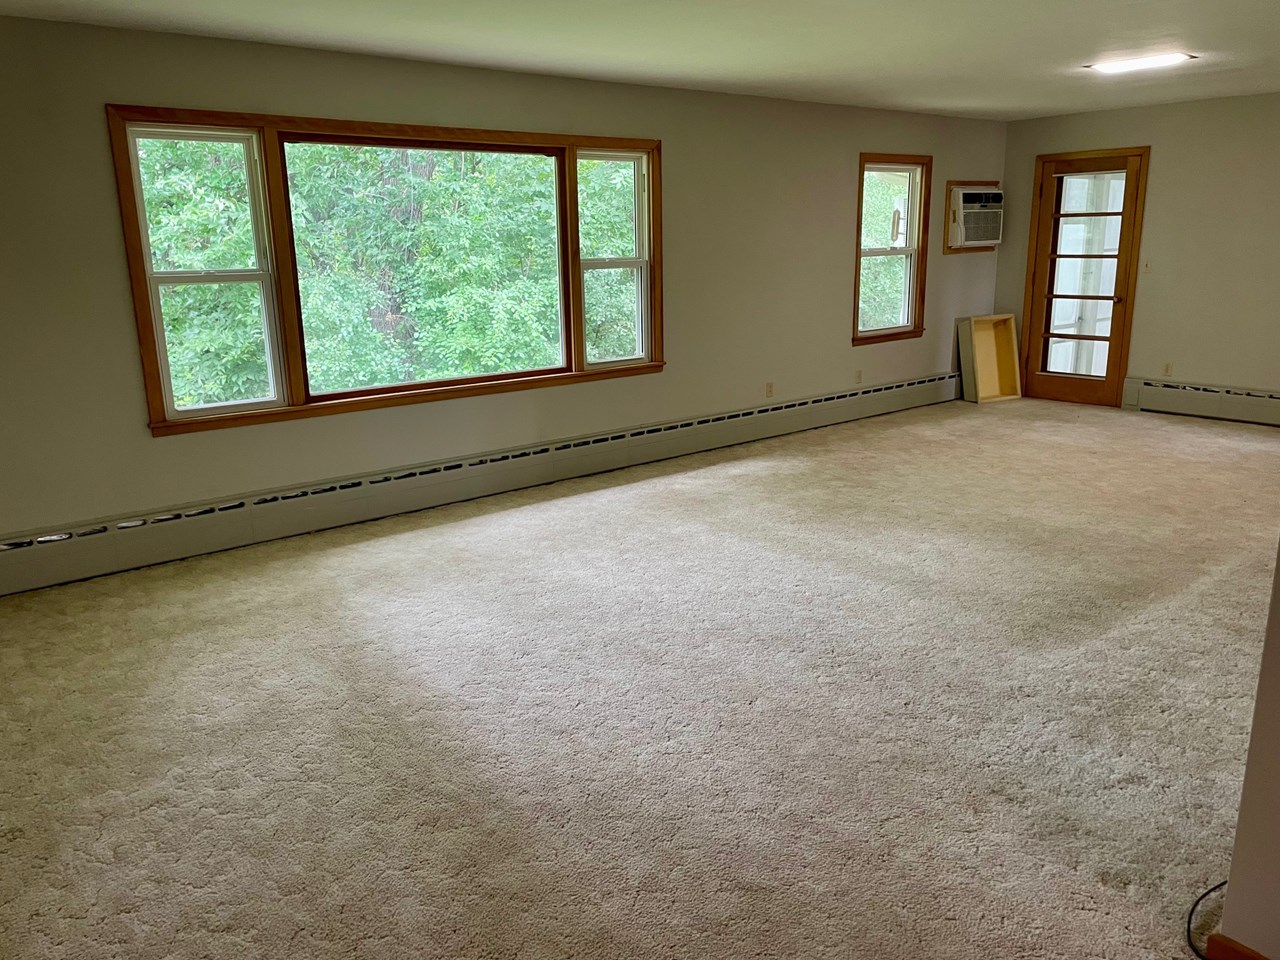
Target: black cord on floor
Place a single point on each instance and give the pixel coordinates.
(1191, 915)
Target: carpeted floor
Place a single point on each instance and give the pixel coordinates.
(954, 683)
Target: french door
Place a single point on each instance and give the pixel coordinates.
(1081, 272)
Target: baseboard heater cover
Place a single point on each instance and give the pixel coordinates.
(1203, 400)
(77, 551)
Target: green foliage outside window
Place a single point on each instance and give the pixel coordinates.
(216, 343)
(882, 281)
(419, 265)
(607, 230)
(413, 265)
(196, 195)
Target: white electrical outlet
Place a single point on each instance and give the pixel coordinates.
(768, 390)
(857, 376)
(1167, 370)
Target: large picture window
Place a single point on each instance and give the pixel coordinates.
(289, 267)
(893, 239)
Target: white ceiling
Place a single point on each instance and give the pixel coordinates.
(1001, 59)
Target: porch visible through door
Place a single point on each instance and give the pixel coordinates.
(1081, 274)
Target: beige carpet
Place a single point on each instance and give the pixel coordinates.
(954, 683)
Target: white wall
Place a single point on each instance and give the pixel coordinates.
(1207, 305)
(1250, 915)
(759, 215)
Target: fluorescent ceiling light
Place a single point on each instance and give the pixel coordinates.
(1141, 63)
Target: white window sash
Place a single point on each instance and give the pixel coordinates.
(262, 275)
(264, 283)
(175, 277)
(909, 255)
(642, 306)
(639, 263)
(615, 263)
(889, 252)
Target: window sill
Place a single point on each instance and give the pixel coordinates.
(862, 339)
(323, 407)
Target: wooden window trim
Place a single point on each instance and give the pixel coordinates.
(916, 329)
(274, 131)
(447, 391)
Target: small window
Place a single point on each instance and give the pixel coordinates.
(615, 263)
(291, 266)
(207, 269)
(893, 236)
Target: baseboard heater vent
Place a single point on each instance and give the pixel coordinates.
(89, 548)
(1202, 400)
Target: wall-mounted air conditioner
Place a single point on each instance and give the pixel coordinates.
(977, 217)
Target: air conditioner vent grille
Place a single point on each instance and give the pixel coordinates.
(983, 225)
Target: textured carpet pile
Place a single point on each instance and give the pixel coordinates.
(955, 683)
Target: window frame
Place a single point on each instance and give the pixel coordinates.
(413, 387)
(263, 275)
(641, 261)
(272, 132)
(918, 255)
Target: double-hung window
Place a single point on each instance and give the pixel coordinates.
(207, 260)
(614, 236)
(893, 238)
(289, 266)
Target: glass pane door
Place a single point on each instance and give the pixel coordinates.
(1086, 250)
(1081, 264)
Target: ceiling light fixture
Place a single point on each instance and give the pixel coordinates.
(1140, 63)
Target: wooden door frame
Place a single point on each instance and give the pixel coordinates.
(1143, 155)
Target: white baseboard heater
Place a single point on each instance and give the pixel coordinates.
(1203, 400)
(90, 548)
